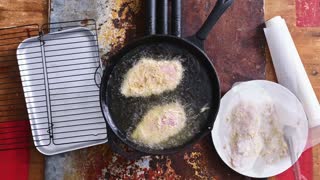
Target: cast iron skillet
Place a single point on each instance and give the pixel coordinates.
(195, 90)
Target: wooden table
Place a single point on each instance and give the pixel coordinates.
(22, 12)
(303, 20)
(307, 39)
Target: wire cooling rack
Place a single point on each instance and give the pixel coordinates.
(14, 125)
(48, 82)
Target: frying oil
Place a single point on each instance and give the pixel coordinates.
(194, 93)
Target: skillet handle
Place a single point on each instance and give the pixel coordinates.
(220, 7)
(162, 18)
(176, 18)
(151, 17)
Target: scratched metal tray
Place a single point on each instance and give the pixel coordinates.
(58, 77)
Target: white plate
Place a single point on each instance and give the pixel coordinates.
(289, 108)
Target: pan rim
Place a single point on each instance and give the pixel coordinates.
(159, 39)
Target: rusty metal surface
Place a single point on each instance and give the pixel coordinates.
(198, 162)
(236, 46)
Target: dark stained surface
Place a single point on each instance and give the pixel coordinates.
(236, 47)
(236, 43)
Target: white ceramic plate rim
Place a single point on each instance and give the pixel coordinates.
(285, 163)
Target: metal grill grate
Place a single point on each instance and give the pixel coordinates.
(57, 69)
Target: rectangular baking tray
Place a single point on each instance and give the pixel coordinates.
(57, 73)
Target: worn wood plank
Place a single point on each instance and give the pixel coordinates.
(16, 13)
(307, 40)
(21, 12)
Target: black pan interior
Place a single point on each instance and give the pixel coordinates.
(199, 88)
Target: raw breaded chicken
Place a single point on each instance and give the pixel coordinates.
(160, 123)
(246, 142)
(151, 77)
(256, 132)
